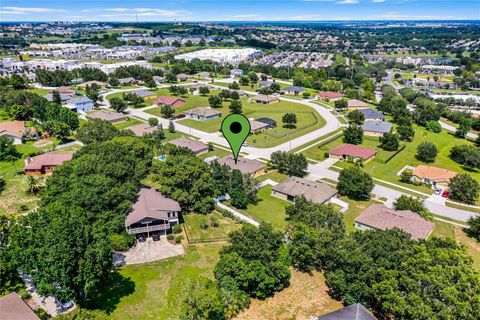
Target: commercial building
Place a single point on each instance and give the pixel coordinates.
(221, 56)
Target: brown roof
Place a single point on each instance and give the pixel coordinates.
(48, 159)
(354, 103)
(202, 111)
(12, 128)
(89, 83)
(380, 217)
(66, 90)
(194, 145)
(172, 101)
(257, 125)
(106, 115)
(126, 80)
(151, 204)
(352, 150)
(142, 128)
(434, 173)
(265, 98)
(329, 95)
(197, 86)
(12, 307)
(245, 165)
(313, 191)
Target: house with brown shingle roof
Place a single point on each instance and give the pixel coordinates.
(107, 115)
(329, 95)
(316, 192)
(354, 103)
(175, 102)
(246, 166)
(346, 150)
(12, 307)
(378, 216)
(45, 163)
(264, 99)
(195, 146)
(65, 90)
(141, 129)
(437, 177)
(13, 129)
(152, 212)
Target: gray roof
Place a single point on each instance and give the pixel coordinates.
(377, 126)
(80, 100)
(372, 114)
(143, 93)
(352, 312)
(245, 165)
(265, 84)
(202, 112)
(294, 88)
(317, 192)
(265, 98)
(63, 97)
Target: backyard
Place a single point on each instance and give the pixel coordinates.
(193, 227)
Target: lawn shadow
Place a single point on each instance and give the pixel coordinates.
(114, 289)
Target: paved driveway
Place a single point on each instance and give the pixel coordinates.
(149, 251)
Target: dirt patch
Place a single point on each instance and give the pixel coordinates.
(306, 296)
(42, 143)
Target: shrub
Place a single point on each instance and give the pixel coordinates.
(204, 224)
(406, 176)
(170, 237)
(178, 239)
(427, 152)
(121, 242)
(214, 222)
(326, 154)
(177, 228)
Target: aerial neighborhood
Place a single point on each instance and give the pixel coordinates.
(355, 194)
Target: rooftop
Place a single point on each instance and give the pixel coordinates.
(352, 312)
(194, 145)
(433, 173)
(265, 98)
(12, 128)
(142, 128)
(312, 191)
(294, 88)
(330, 95)
(245, 165)
(372, 114)
(202, 111)
(354, 103)
(378, 126)
(378, 216)
(106, 115)
(353, 151)
(48, 159)
(12, 307)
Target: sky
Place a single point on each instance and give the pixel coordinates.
(237, 10)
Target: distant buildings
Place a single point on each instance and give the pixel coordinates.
(236, 73)
(221, 56)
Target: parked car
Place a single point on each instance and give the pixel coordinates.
(438, 191)
(445, 194)
(180, 116)
(65, 305)
(156, 236)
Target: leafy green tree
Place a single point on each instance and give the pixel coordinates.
(406, 176)
(406, 132)
(215, 101)
(474, 230)
(236, 190)
(353, 134)
(118, 104)
(93, 92)
(167, 111)
(433, 126)
(8, 151)
(341, 104)
(410, 203)
(221, 177)
(390, 141)
(204, 91)
(97, 130)
(426, 152)
(356, 117)
(464, 126)
(464, 188)
(234, 85)
(56, 97)
(202, 300)
(224, 94)
(171, 126)
(153, 122)
(354, 183)
(289, 120)
(289, 163)
(235, 106)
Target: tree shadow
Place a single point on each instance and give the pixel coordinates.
(115, 288)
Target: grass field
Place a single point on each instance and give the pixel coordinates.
(308, 120)
(195, 233)
(155, 290)
(125, 124)
(269, 209)
(407, 75)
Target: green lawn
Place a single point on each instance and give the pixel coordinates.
(155, 290)
(218, 152)
(125, 124)
(273, 175)
(308, 120)
(195, 233)
(408, 75)
(192, 101)
(269, 209)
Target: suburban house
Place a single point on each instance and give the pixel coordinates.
(158, 80)
(376, 127)
(107, 115)
(203, 75)
(352, 312)
(437, 177)
(141, 129)
(378, 216)
(175, 102)
(316, 192)
(143, 93)
(13, 129)
(127, 81)
(241, 93)
(65, 90)
(294, 90)
(196, 146)
(246, 166)
(100, 84)
(183, 77)
(197, 86)
(372, 114)
(329, 95)
(346, 151)
(257, 126)
(236, 73)
(264, 99)
(83, 104)
(45, 163)
(12, 307)
(64, 98)
(152, 212)
(265, 84)
(354, 103)
(202, 114)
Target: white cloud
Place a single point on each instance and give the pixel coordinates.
(378, 1)
(348, 2)
(22, 10)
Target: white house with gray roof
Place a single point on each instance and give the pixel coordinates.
(376, 127)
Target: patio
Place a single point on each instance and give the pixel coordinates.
(148, 251)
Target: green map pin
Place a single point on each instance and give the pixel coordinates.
(235, 128)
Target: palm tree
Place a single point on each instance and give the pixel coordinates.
(33, 185)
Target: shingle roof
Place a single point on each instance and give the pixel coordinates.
(380, 217)
(354, 103)
(142, 128)
(434, 173)
(12, 128)
(257, 125)
(151, 204)
(80, 100)
(48, 159)
(352, 312)
(245, 165)
(265, 84)
(194, 145)
(63, 97)
(294, 88)
(265, 98)
(202, 111)
(330, 95)
(353, 151)
(170, 100)
(143, 93)
(377, 126)
(372, 114)
(12, 307)
(313, 191)
(106, 115)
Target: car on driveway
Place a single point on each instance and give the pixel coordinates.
(438, 191)
(65, 305)
(445, 194)
(156, 236)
